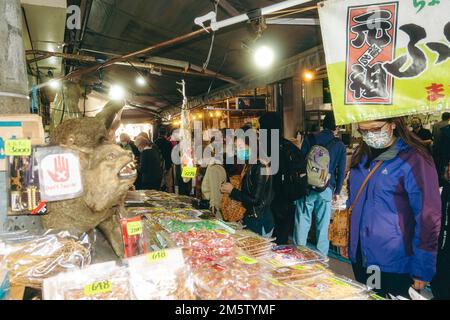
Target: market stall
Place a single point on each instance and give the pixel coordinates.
(172, 251)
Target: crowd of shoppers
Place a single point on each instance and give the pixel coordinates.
(399, 224)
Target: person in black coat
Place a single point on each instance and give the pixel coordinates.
(256, 192)
(150, 168)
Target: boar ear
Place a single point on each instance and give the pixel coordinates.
(110, 113)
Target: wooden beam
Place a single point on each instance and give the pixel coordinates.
(228, 8)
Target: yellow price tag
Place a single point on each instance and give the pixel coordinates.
(299, 267)
(189, 172)
(339, 282)
(157, 256)
(134, 228)
(97, 288)
(274, 282)
(247, 260)
(274, 263)
(20, 147)
(221, 232)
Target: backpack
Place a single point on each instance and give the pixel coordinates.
(294, 181)
(232, 210)
(318, 164)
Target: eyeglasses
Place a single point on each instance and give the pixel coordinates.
(365, 131)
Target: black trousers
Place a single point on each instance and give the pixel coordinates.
(441, 282)
(284, 219)
(396, 284)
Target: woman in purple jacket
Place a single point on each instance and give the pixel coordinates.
(396, 221)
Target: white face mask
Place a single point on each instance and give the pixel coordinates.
(377, 140)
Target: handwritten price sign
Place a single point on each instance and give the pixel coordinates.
(20, 147)
(189, 172)
(157, 256)
(97, 288)
(134, 228)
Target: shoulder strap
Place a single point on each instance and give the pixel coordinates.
(364, 184)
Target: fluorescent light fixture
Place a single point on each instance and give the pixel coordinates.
(264, 57)
(116, 92)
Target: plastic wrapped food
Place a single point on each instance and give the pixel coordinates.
(133, 235)
(104, 281)
(179, 226)
(239, 278)
(328, 287)
(160, 275)
(292, 255)
(203, 246)
(30, 262)
(299, 272)
(4, 280)
(253, 245)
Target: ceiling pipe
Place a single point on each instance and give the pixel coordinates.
(180, 67)
(76, 75)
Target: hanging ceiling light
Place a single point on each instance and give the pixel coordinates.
(116, 92)
(140, 80)
(264, 57)
(308, 75)
(54, 84)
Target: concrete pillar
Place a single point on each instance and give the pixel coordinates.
(13, 77)
(13, 71)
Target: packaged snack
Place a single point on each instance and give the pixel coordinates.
(133, 234)
(291, 255)
(253, 244)
(104, 281)
(203, 246)
(179, 226)
(34, 259)
(299, 272)
(328, 287)
(160, 275)
(239, 278)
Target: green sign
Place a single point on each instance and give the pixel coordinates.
(20, 147)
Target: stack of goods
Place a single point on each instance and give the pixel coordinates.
(104, 281)
(285, 256)
(239, 278)
(173, 226)
(329, 287)
(160, 275)
(34, 259)
(203, 246)
(252, 244)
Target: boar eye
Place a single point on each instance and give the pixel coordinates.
(111, 156)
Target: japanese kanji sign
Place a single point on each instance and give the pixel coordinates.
(386, 58)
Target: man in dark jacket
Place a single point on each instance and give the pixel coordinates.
(283, 210)
(320, 202)
(441, 282)
(150, 168)
(165, 146)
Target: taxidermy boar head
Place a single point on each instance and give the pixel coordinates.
(108, 173)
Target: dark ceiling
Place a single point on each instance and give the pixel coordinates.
(123, 26)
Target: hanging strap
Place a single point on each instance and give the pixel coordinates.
(364, 184)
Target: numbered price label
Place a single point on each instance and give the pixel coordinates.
(20, 147)
(97, 288)
(189, 172)
(221, 232)
(157, 256)
(134, 228)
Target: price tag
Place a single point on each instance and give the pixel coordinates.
(157, 256)
(21, 147)
(134, 228)
(274, 263)
(299, 267)
(221, 232)
(189, 172)
(247, 260)
(274, 282)
(97, 288)
(339, 282)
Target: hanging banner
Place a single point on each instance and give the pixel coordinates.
(386, 58)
